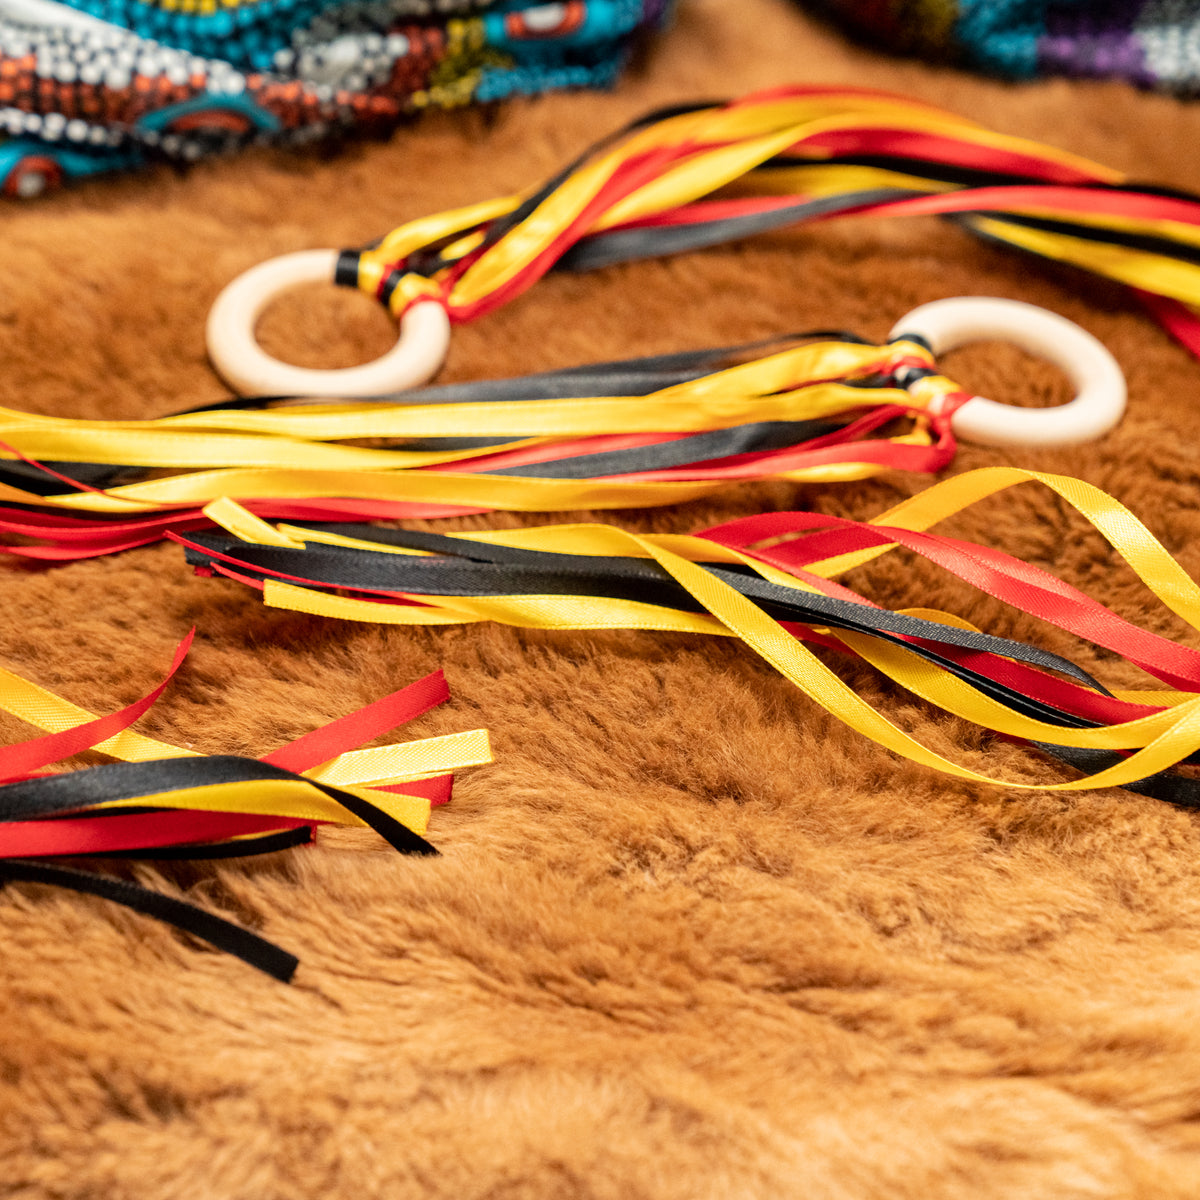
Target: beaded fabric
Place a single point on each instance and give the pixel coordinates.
(99, 85)
(1151, 43)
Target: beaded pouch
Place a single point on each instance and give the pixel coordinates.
(97, 85)
(1152, 43)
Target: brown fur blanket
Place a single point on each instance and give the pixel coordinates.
(688, 937)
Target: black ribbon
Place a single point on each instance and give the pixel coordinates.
(222, 934)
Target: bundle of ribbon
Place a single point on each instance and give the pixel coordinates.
(776, 158)
(614, 435)
(99, 85)
(626, 434)
(162, 801)
(770, 580)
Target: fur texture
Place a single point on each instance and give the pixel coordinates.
(688, 937)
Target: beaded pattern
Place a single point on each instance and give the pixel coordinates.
(1151, 43)
(99, 85)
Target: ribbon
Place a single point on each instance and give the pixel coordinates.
(163, 801)
(780, 595)
(633, 433)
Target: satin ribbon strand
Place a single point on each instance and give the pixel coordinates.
(232, 939)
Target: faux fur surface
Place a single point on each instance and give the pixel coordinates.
(688, 937)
